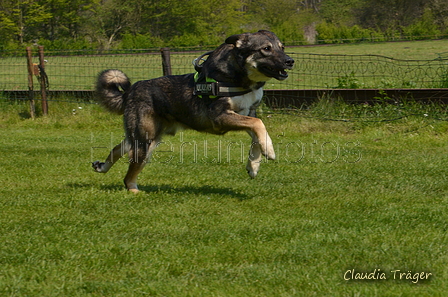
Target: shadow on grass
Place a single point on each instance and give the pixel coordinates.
(200, 190)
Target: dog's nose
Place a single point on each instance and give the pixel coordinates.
(289, 62)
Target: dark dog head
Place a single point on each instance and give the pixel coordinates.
(262, 55)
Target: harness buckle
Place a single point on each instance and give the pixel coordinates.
(206, 89)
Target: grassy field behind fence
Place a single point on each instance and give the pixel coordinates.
(417, 64)
(368, 195)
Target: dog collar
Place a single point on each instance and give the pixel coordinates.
(215, 89)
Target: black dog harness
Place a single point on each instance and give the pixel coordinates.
(214, 89)
(211, 87)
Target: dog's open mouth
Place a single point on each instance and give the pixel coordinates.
(275, 73)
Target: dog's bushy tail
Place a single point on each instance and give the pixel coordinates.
(110, 86)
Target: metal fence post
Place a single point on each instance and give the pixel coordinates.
(43, 80)
(166, 62)
(29, 58)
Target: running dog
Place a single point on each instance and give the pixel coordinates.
(221, 96)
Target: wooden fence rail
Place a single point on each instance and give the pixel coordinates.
(279, 99)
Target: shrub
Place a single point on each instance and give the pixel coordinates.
(290, 31)
(67, 44)
(326, 32)
(348, 82)
(330, 33)
(423, 28)
(193, 40)
(140, 41)
(443, 80)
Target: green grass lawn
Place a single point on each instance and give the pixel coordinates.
(405, 50)
(358, 195)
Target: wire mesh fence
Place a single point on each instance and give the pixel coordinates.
(73, 72)
(317, 71)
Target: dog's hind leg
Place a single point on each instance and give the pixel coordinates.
(139, 155)
(116, 153)
(255, 157)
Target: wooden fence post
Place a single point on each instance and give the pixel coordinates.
(43, 80)
(29, 58)
(166, 62)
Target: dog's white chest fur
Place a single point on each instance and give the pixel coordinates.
(241, 104)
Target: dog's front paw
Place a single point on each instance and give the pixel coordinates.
(252, 168)
(98, 166)
(269, 153)
(268, 150)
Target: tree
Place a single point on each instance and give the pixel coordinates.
(66, 18)
(340, 12)
(439, 9)
(192, 22)
(287, 18)
(59, 23)
(105, 20)
(389, 15)
(313, 5)
(19, 19)
(8, 26)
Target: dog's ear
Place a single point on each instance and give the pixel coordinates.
(237, 40)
